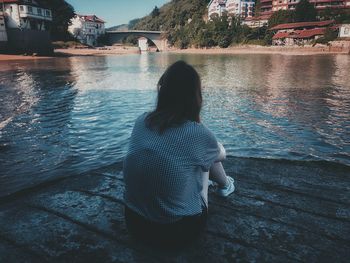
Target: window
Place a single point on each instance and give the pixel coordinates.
(39, 11)
(30, 9)
(48, 13)
(21, 8)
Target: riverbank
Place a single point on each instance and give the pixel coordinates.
(102, 51)
(340, 47)
(5, 57)
(68, 52)
(254, 49)
(281, 211)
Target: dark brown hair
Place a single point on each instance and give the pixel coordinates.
(179, 97)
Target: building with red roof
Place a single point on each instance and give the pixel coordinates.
(300, 33)
(303, 25)
(87, 28)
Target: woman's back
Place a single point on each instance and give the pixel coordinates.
(163, 171)
(166, 169)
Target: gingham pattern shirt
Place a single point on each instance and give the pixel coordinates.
(163, 172)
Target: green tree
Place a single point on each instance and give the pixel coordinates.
(281, 17)
(222, 35)
(155, 12)
(204, 38)
(305, 11)
(62, 13)
(257, 7)
(133, 22)
(131, 40)
(330, 34)
(339, 15)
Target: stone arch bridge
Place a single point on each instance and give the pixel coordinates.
(156, 37)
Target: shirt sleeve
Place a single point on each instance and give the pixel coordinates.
(211, 150)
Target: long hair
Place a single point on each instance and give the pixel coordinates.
(179, 98)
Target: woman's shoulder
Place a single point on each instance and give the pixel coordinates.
(142, 117)
(201, 129)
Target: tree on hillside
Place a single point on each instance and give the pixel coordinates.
(62, 13)
(281, 17)
(133, 22)
(305, 11)
(257, 8)
(155, 12)
(219, 27)
(339, 15)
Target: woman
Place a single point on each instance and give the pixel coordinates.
(166, 169)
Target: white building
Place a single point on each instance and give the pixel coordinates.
(344, 30)
(87, 28)
(25, 14)
(143, 44)
(216, 7)
(240, 8)
(256, 21)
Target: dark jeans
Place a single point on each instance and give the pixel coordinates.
(173, 235)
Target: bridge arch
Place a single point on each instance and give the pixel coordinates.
(155, 36)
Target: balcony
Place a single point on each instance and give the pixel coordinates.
(327, 1)
(330, 6)
(26, 11)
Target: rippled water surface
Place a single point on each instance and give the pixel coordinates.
(64, 116)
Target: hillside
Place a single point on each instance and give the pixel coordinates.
(183, 22)
(173, 15)
(119, 27)
(186, 24)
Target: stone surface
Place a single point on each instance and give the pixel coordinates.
(281, 211)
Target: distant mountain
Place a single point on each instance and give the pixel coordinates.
(124, 26)
(119, 27)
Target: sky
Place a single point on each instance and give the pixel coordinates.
(116, 12)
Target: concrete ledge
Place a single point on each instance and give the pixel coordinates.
(282, 211)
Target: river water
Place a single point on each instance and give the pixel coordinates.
(66, 116)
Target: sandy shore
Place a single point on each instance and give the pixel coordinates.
(338, 47)
(4, 57)
(113, 50)
(308, 50)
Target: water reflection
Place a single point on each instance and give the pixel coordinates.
(70, 115)
(40, 100)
